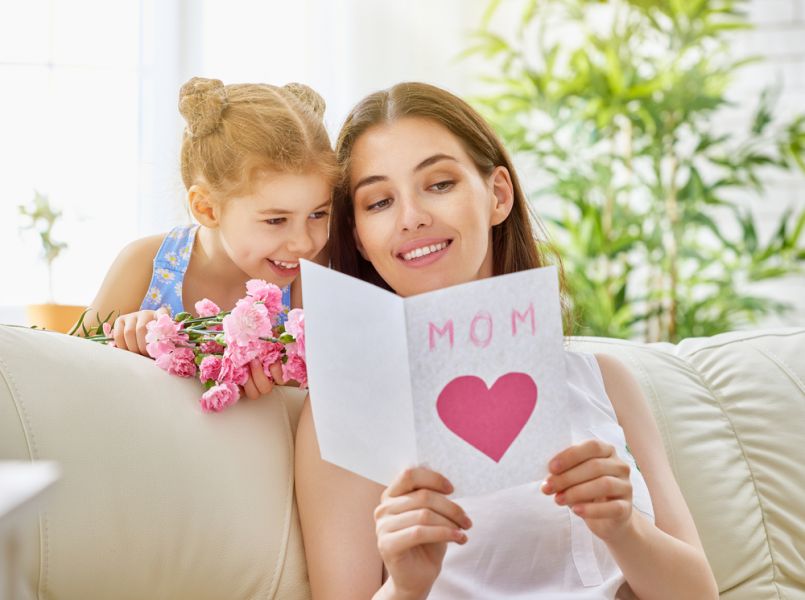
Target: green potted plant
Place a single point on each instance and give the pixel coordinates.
(42, 218)
(610, 107)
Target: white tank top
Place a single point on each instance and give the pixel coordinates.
(522, 544)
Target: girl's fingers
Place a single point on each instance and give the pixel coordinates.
(117, 332)
(143, 318)
(586, 471)
(263, 384)
(400, 541)
(578, 453)
(600, 489)
(276, 372)
(427, 500)
(416, 478)
(250, 389)
(612, 509)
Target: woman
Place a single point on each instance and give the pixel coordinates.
(430, 199)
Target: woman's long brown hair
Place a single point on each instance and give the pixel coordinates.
(515, 243)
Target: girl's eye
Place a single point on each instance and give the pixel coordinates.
(442, 186)
(319, 214)
(275, 221)
(380, 204)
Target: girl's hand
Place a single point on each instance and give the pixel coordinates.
(129, 330)
(594, 482)
(259, 383)
(413, 523)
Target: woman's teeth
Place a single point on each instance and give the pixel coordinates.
(424, 251)
(285, 265)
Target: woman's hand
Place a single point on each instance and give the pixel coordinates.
(129, 330)
(413, 523)
(594, 482)
(259, 382)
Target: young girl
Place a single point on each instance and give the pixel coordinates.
(258, 167)
(429, 200)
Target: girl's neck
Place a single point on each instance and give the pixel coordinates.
(211, 259)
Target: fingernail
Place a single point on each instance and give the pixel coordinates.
(578, 509)
(554, 466)
(560, 498)
(466, 523)
(547, 487)
(448, 487)
(460, 536)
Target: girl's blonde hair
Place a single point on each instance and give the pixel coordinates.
(235, 131)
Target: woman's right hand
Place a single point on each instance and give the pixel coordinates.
(413, 523)
(129, 330)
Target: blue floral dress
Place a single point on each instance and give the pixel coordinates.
(170, 264)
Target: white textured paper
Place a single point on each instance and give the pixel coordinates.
(377, 364)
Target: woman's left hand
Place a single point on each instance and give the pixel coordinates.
(594, 482)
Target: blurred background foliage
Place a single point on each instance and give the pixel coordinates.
(610, 107)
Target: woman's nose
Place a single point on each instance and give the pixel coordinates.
(413, 215)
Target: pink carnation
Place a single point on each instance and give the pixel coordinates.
(211, 348)
(267, 293)
(295, 325)
(210, 368)
(295, 368)
(269, 354)
(207, 308)
(180, 361)
(107, 331)
(247, 322)
(163, 335)
(232, 373)
(218, 397)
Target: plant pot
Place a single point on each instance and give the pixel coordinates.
(54, 317)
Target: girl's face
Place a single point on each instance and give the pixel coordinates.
(423, 212)
(282, 219)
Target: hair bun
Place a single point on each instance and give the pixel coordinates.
(202, 102)
(307, 96)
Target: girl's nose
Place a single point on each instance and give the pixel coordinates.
(301, 243)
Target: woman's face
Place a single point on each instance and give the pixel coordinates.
(423, 212)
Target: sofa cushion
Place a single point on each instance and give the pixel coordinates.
(157, 499)
(731, 410)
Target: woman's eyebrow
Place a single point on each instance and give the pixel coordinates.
(425, 163)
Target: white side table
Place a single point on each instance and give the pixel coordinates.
(22, 487)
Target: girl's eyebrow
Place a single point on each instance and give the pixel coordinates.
(425, 163)
(283, 211)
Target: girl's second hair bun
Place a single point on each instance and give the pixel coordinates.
(202, 102)
(307, 96)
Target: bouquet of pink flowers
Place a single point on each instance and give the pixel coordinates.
(218, 346)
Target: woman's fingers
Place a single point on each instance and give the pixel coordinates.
(579, 453)
(400, 541)
(586, 471)
(413, 518)
(424, 500)
(416, 478)
(598, 490)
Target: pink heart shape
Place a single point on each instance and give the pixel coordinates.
(488, 419)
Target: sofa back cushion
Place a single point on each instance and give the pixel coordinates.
(731, 410)
(157, 499)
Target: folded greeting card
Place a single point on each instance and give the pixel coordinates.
(468, 380)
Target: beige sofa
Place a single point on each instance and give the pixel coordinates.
(161, 501)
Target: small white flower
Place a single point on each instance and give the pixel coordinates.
(154, 295)
(172, 258)
(185, 252)
(165, 275)
(178, 288)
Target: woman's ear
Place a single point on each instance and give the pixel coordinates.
(358, 244)
(204, 209)
(503, 194)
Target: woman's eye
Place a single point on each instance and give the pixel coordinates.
(319, 214)
(442, 186)
(379, 204)
(275, 221)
